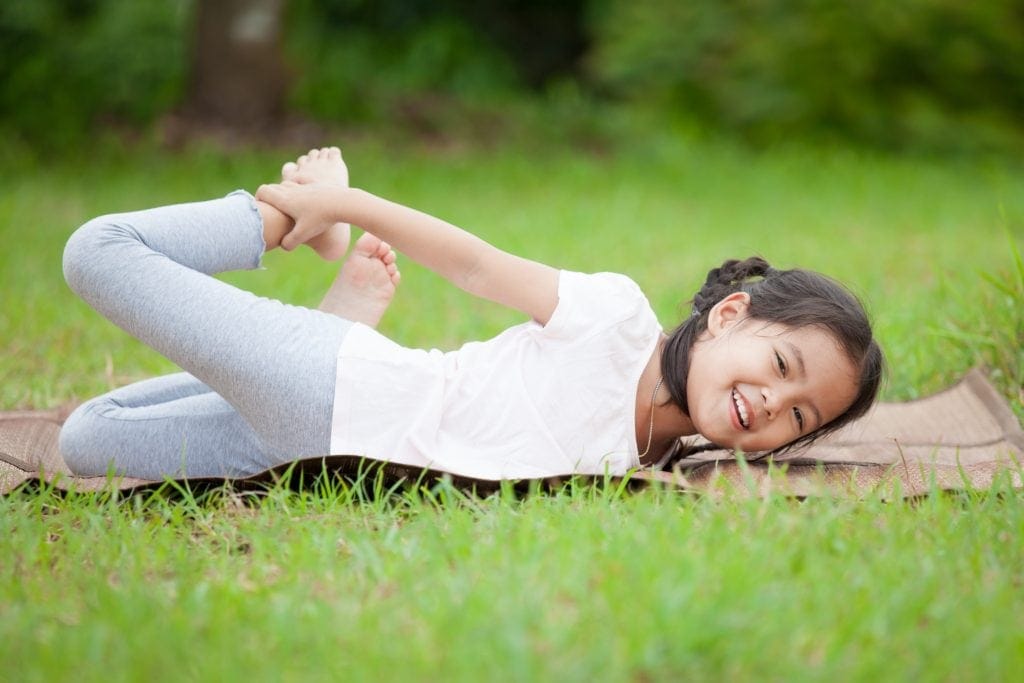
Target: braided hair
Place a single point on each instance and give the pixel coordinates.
(794, 298)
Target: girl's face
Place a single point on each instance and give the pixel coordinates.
(756, 386)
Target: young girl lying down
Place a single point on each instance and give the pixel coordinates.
(591, 384)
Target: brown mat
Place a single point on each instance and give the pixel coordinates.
(965, 437)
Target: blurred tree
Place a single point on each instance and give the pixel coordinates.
(238, 79)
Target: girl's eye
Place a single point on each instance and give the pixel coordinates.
(781, 363)
(799, 418)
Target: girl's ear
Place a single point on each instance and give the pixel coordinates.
(728, 312)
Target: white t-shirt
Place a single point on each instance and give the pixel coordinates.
(533, 401)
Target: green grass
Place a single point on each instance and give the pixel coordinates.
(585, 584)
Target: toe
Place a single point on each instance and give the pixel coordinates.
(303, 160)
(289, 170)
(333, 153)
(367, 245)
(313, 154)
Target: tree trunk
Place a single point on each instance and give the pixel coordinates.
(238, 76)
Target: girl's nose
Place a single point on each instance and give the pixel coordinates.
(772, 402)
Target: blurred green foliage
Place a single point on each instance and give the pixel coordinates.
(359, 61)
(917, 73)
(66, 65)
(943, 73)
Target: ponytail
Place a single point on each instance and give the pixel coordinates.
(728, 278)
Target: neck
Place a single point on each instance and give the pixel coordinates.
(670, 423)
(655, 408)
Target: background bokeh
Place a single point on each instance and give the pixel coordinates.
(921, 74)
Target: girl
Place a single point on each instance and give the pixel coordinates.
(769, 359)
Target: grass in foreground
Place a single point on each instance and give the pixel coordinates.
(581, 585)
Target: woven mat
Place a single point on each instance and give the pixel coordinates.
(962, 438)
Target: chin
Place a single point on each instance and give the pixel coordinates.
(729, 443)
(727, 440)
(737, 444)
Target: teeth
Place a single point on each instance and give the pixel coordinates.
(741, 408)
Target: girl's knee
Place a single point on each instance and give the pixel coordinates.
(86, 263)
(81, 441)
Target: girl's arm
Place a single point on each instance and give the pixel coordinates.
(460, 257)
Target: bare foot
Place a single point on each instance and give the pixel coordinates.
(365, 284)
(323, 165)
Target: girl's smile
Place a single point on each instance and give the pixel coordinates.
(743, 412)
(756, 386)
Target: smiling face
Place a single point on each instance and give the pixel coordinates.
(756, 386)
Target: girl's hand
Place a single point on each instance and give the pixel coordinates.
(313, 207)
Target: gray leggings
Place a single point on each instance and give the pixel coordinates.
(259, 386)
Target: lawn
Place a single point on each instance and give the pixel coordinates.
(585, 584)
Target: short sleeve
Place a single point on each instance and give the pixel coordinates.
(589, 304)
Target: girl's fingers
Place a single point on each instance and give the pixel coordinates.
(300, 234)
(267, 193)
(276, 194)
(290, 241)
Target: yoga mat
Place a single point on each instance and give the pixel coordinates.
(964, 437)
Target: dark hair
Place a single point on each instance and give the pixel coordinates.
(795, 298)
